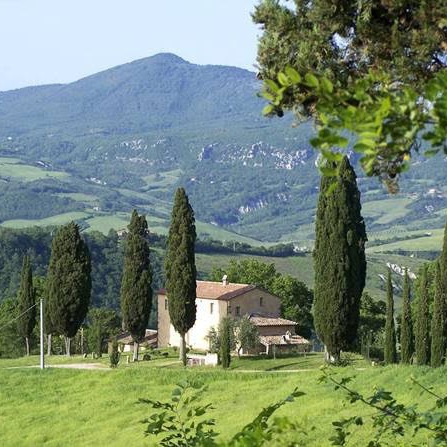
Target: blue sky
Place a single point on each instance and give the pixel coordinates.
(49, 41)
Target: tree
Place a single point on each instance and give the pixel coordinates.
(371, 324)
(390, 330)
(10, 344)
(247, 335)
(180, 268)
(114, 354)
(339, 260)
(69, 282)
(438, 321)
(26, 304)
(422, 329)
(296, 303)
(248, 271)
(226, 341)
(136, 291)
(406, 328)
(103, 324)
(360, 67)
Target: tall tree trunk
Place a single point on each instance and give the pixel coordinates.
(67, 346)
(331, 357)
(49, 344)
(27, 345)
(136, 347)
(183, 349)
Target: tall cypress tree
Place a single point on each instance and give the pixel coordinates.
(406, 328)
(27, 300)
(339, 259)
(438, 321)
(69, 282)
(136, 290)
(390, 331)
(180, 268)
(422, 329)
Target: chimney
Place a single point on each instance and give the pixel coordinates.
(224, 280)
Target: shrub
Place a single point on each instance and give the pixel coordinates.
(114, 355)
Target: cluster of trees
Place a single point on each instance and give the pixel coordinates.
(67, 289)
(423, 329)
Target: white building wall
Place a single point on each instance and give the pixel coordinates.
(205, 320)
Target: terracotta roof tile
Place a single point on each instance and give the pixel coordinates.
(283, 340)
(218, 291)
(260, 320)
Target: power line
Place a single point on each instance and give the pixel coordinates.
(16, 318)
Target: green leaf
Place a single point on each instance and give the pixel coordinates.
(268, 109)
(271, 85)
(268, 96)
(311, 80)
(326, 85)
(283, 79)
(293, 75)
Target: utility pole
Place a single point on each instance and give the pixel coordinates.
(42, 359)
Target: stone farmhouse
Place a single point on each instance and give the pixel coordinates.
(218, 299)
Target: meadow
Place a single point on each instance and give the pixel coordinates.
(65, 407)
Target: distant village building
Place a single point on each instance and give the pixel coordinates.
(125, 341)
(218, 299)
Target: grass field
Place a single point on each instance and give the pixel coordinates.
(13, 168)
(61, 407)
(59, 219)
(386, 211)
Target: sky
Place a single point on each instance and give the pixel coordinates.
(60, 41)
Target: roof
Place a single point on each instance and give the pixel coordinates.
(218, 290)
(267, 340)
(126, 338)
(261, 320)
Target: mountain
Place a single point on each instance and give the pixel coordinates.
(128, 136)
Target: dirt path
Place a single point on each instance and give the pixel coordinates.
(81, 366)
(90, 366)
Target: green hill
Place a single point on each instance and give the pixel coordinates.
(129, 136)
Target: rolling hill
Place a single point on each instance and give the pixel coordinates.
(128, 136)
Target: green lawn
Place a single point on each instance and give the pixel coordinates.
(61, 407)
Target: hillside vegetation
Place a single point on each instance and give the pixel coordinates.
(128, 136)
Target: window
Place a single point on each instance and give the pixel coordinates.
(166, 304)
(211, 308)
(229, 309)
(261, 299)
(238, 310)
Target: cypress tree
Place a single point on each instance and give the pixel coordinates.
(27, 300)
(339, 259)
(225, 339)
(443, 281)
(390, 331)
(406, 328)
(180, 268)
(438, 321)
(136, 291)
(69, 282)
(422, 329)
